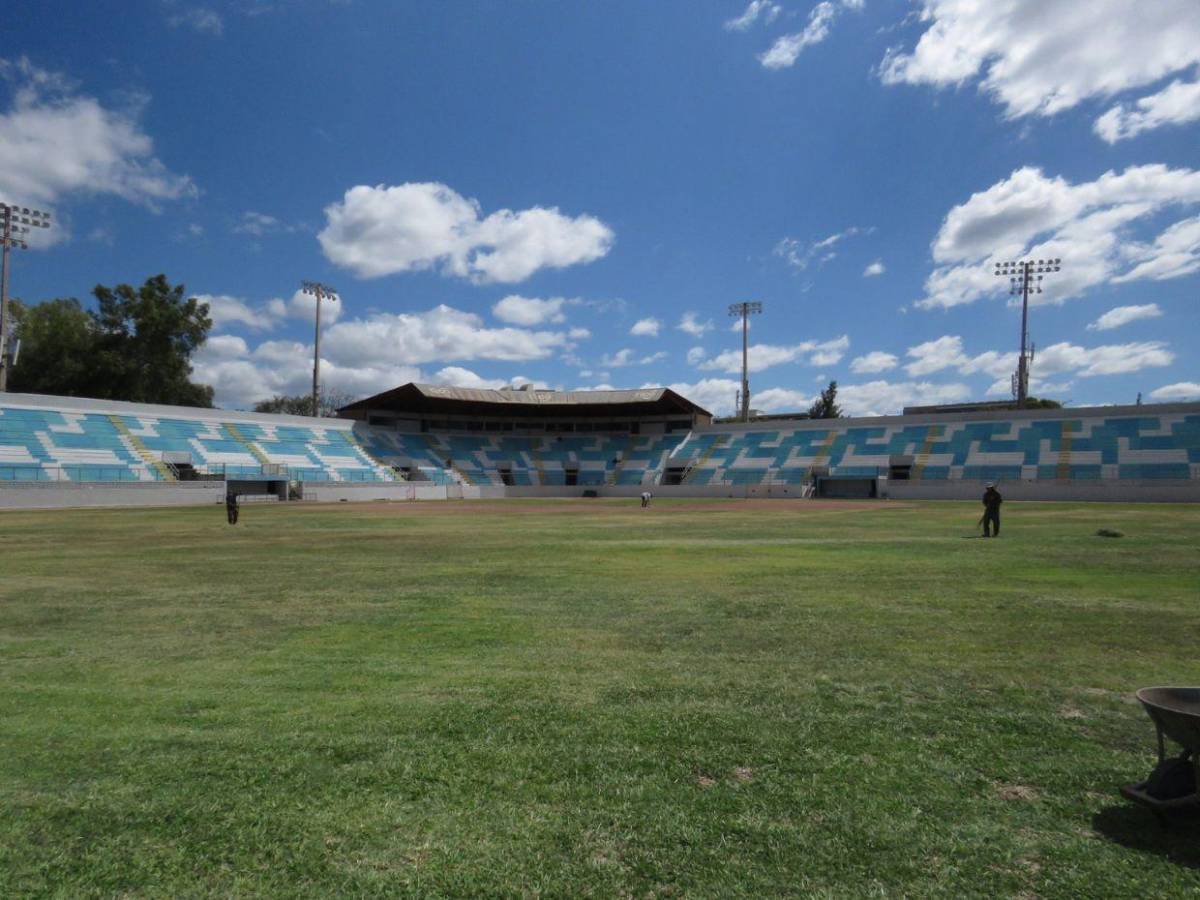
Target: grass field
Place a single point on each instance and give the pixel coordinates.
(583, 698)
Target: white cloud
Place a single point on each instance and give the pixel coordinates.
(530, 311)
(717, 395)
(787, 49)
(800, 255)
(695, 356)
(382, 230)
(259, 224)
(1176, 104)
(884, 398)
(55, 142)
(205, 21)
(1181, 390)
(1087, 225)
(226, 346)
(690, 324)
(875, 268)
(1039, 58)
(304, 306)
(947, 352)
(875, 361)
(628, 357)
(758, 9)
(226, 311)
(579, 334)
(460, 377)
(646, 327)
(1123, 315)
(763, 356)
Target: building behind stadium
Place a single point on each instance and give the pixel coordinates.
(420, 441)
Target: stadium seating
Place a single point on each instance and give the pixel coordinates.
(45, 442)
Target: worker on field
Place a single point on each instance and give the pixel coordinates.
(231, 506)
(646, 495)
(991, 511)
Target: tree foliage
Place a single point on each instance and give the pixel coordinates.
(826, 407)
(301, 404)
(1041, 403)
(137, 345)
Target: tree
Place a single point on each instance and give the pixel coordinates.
(1036, 403)
(136, 346)
(826, 406)
(146, 338)
(301, 404)
(57, 343)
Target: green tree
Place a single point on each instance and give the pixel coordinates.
(301, 404)
(136, 346)
(826, 406)
(57, 347)
(1036, 403)
(145, 341)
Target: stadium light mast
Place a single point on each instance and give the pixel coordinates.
(1025, 278)
(320, 292)
(745, 310)
(15, 221)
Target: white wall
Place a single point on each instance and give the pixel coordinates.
(64, 495)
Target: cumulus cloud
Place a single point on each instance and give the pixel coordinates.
(55, 142)
(460, 377)
(1090, 225)
(628, 357)
(1063, 358)
(363, 356)
(695, 356)
(226, 311)
(787, 49)
(873, 398)
(873, 362)
(874, 269)
(530, 311)
(383, 230)
(758, 9)
(1180, 390)
(763, 356)
(1123, 315)
(1176, 104)
(691, 324)
(1038, 58)
(645, 327)
(259, 224)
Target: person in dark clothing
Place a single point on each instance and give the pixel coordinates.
(231, 507)
(991, 511)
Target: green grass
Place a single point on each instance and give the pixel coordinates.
(584, 698)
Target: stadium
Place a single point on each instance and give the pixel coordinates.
(437, 442)
(485, 574)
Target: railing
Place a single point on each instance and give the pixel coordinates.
(80, 472)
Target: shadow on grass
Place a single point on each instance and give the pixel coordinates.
(1176, 838)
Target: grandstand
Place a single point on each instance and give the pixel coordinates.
(452, 442)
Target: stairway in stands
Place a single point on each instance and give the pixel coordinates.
(138, 446)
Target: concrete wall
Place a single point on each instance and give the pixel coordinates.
(66, 494)
(1147, 491)
(333, 491)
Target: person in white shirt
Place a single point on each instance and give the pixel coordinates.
(646, 495)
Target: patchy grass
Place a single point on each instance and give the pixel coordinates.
(590, 699)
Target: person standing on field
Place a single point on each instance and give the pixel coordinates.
(646, 499)
(991, 511)
(231, 506)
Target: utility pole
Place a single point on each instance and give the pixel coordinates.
(1025, 278)
(745, 310)
(14, 222)
(320, 292)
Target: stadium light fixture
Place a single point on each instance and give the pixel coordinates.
(15, 222)
(1025, 278)
(745, 310)
(320, 292)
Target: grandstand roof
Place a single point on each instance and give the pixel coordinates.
(527, 401)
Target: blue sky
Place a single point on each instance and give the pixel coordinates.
(573, 193)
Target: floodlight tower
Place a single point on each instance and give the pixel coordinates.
(745, 310)
(320, 292)
(15, 221)
(1025, 278)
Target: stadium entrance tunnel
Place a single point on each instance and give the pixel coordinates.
(259, 489)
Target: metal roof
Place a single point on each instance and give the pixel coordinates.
(525, 401)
